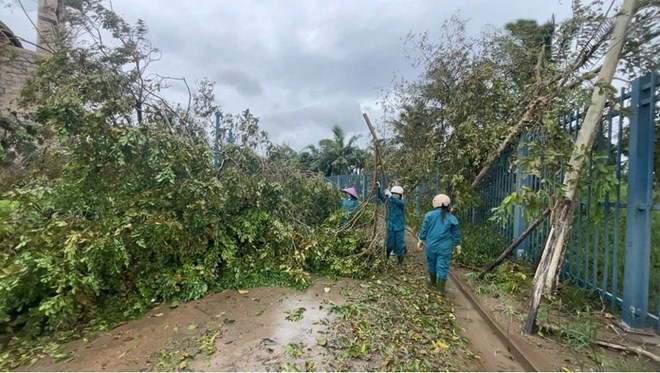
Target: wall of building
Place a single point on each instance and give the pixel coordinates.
(17, 64)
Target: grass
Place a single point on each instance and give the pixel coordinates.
(482, 244)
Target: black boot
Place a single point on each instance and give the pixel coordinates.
(399, 260)
(432, 279)
(441, 287)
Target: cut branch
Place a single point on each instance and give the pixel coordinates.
(515, 243)
(377, 153)
(634, 349)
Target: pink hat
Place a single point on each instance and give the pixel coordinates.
(351, 191)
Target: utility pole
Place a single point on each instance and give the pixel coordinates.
(216, 142)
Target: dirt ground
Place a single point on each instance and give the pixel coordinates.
(249, 331)
(509, 311)
(252, 332)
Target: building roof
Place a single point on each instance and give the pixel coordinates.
(7, 36)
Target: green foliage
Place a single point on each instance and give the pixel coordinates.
(334, 156)
(296, 315)
(136, 213)
(395, 324)
(123, 231)
(481, 245)
(525, 41)
(475, 91)
(471, 91)
(294, 349)
(507, 278)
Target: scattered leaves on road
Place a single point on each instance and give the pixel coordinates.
(296, 315)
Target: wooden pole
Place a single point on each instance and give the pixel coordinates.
(378, 163)
(377, 154)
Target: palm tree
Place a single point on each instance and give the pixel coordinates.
(335, 156)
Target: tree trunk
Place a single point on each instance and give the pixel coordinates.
(564, 209)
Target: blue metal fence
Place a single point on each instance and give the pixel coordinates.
(362, 183)
(614, 246)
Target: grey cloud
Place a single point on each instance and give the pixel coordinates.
(303, 126)
(303, 66)
(243, 84)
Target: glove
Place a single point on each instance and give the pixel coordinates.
(457, 250)
(420, 244)
(387, 192)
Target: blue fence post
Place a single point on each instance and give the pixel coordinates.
(519, 222)
(640, 202)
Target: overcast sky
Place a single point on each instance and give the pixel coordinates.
(301, 66)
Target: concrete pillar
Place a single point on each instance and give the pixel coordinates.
(48, 25)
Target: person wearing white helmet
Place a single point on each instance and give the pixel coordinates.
(439, 233)
(396, 225)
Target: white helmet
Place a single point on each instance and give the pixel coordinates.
(397, 189)
(441, 200)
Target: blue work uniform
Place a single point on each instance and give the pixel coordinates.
(440, 237)
(396, 227)
(349, 204)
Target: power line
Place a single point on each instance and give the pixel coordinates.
(20, 3)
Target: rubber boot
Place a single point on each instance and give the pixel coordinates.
(441, 287)
(433, 279)
(399, 261)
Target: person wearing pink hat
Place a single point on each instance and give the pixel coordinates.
(350, 202)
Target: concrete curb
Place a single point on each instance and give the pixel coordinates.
(511, 345)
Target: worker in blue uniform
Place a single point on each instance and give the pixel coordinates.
(396, 225)
(349, 203)
(439, 233)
